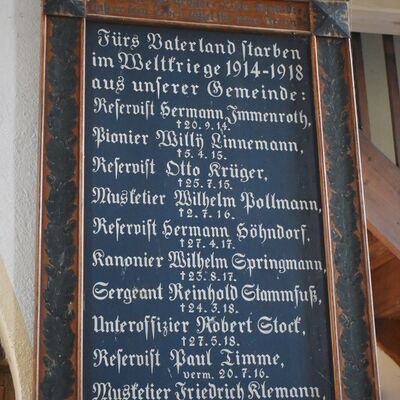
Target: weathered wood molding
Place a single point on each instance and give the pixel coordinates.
(375, 16)
(330, 19)
(382, 196)
(70, 8)
(59, 213)
(354, 321)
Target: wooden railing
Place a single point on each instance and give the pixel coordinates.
(382, 198)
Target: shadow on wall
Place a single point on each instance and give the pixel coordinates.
(6, 384)
(14, 338)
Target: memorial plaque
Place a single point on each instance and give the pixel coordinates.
(204, 262)
(201, 230)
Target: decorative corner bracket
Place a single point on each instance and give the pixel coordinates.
(330, 18)
(70, 8)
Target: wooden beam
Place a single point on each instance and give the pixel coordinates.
(386, 289)
(382, 196)
(375, 16)
(379, 254)
(394, 91)
(388, 334)
(361, 87)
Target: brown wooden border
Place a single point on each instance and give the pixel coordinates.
(58, 322)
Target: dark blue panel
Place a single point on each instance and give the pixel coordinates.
(242, 256)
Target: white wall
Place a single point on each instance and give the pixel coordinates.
(19, 88)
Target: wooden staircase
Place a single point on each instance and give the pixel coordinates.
(382, 201)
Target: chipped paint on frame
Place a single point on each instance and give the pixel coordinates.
(72, 8)
(344, 205)
(330, 19)
(60, 188)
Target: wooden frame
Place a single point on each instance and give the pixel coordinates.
(58, 327)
